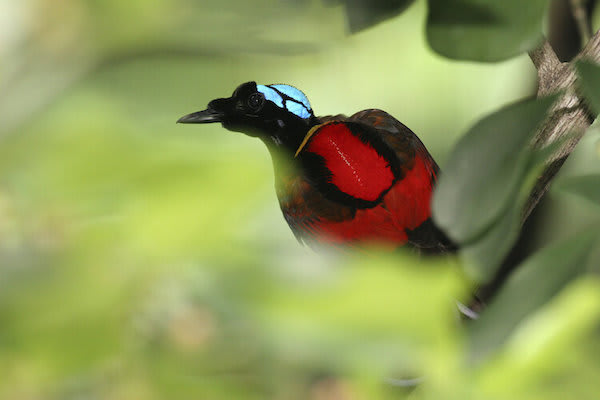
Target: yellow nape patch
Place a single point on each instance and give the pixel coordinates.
(309, 134)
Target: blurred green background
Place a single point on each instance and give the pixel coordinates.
(140, 259)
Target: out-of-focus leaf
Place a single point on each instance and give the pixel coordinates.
(368, 283)
(536, 281)
(547, 344)
(484, 255)
(589, 74)
(586, 186)
(484, 30)
(363, 14)
(575, 309)
(486, 168)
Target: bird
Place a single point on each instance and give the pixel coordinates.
(340, 181)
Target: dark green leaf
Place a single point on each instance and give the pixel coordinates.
(363, 14)
(484, 30)
(589, 74)
(534, 283)
(486, 169)
(586, 186)
(485, 255)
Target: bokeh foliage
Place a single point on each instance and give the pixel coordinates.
(141, 260)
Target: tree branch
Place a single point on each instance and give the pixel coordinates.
(570, 116)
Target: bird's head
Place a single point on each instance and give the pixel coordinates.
(279, 114)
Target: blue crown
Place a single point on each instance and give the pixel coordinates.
(287, 97)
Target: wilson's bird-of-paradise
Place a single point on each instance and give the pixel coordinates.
(340, 180)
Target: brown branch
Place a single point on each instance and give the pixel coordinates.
(569, 118)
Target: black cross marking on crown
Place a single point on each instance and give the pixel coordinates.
(287, 98)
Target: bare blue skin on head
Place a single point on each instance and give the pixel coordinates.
(287, 97)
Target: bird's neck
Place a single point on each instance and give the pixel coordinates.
(287, 135)
(283, 142)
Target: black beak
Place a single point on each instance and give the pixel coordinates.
(201, 117)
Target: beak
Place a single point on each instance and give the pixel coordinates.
(202, 117)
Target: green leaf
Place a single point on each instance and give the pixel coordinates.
(483, 257)
(484, 30)
(586, 186)
(535, 282)
(486, 169)
(589, 74)
(363, 14)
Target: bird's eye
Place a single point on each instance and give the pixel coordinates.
(255, 101)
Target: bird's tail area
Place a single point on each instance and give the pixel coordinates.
(429, 239)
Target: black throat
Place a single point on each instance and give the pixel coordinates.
(283, 140)
(286, 135)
